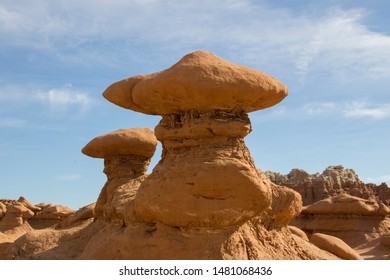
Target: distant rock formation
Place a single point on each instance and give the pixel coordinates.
(354, 220)
(22, 214)
(333, 180)
(44, 231)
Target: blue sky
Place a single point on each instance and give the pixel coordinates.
(57, 57)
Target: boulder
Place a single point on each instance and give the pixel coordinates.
(298, 232)
(335, 246)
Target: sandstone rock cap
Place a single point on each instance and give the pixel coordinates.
(200, 81)
(125, 141)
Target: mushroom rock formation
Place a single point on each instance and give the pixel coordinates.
(206, 177)
(16, 215)
(127, 153)
(205, 199)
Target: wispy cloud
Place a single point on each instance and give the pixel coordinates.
(361, 109)
(60, 100)
(355, 109)
(335, 41)
(319, 108)
(12, 122)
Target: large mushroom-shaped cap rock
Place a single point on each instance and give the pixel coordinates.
(125, 141)
(201, 82)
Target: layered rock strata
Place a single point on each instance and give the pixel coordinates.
(354, 220)
(334, 180)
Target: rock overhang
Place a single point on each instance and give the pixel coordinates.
(200, 81)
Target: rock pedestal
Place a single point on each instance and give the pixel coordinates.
(205, 199)
(126, 154)
(206, 177)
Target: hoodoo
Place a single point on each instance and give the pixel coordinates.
(127, 153)
(206, 177)
(205, 199)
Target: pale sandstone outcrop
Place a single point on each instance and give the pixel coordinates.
(127, 153)
(335, 246)
(334, 180)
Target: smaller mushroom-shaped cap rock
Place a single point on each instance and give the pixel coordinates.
(200, 81)
(125, 141)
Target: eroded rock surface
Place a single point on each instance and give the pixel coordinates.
(127, 153)
(333, 180)
(334, 245)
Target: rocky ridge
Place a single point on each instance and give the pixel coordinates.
(332, 181)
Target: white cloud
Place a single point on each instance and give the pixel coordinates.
(361, 109)
(355, 109)
(335, 41)
(60, 100)
(319, 108)
(12, 122)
